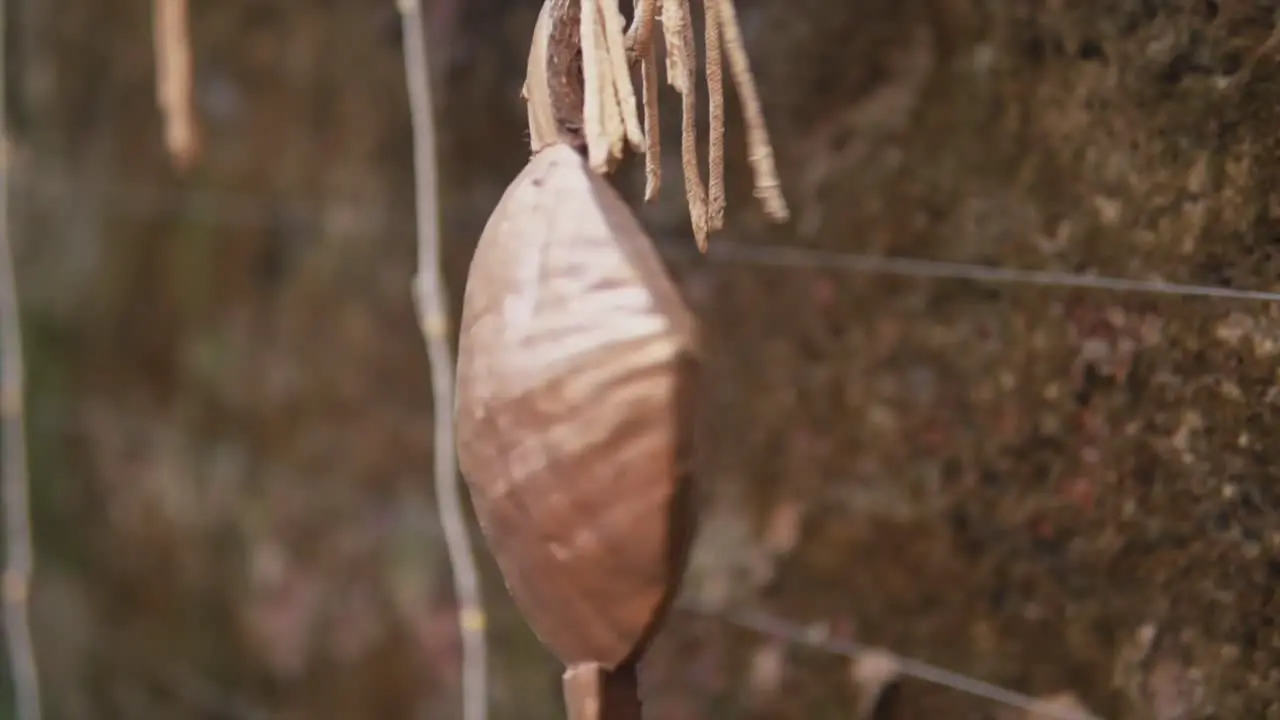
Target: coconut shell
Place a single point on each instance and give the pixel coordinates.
(575, 368)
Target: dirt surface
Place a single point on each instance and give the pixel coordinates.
(1054, 490)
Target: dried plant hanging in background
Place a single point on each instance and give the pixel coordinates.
(174, 82)
(609, 122)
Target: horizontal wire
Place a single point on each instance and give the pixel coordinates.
(240, 210)
(818, 638)
(783, 256)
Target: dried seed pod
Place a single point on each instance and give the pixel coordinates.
(575, 367)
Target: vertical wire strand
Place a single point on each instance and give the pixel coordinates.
(433, 316)
(14, 475)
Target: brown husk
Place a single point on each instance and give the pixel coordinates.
(575, 361)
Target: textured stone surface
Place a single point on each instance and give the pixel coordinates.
(1053, 490)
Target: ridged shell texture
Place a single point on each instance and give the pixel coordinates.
(574, 368)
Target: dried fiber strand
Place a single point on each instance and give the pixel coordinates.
(768, 188)
(681, 68)
(641, 47)
(593, 83)
(715, 140)
(611, 110)
(609, 113)
(640, 34)
(620, 73)
(174, 85)
(652, 125)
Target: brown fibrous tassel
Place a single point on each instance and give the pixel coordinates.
(591, 96)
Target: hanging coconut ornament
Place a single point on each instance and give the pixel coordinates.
(577, 356)
(576, 366)
(575, 371)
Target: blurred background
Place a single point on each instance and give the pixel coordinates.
(1060, 491)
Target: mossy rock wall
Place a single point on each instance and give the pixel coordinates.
(1055, 490)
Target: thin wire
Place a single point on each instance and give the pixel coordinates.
(20, 557)
(433, 314)
(243, 211)
(817, 638)
(782, 256)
